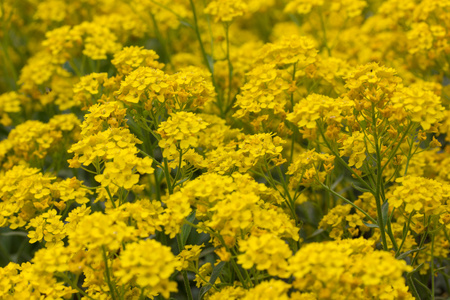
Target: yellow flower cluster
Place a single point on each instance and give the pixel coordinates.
(305, 169)
(231, 205)
(302, 6)
(319, 108)
(266, 252)
(179, 133)
(27, 281)
(130, 58)
(32, 141)
(226, 10)
(263, 146)
(143, 84)
(357, 148)
(148, 264)
(110, 148)
(264, 90)
(272, 289)
(351, 268)
(224, 149)
(422, 106)
(25, 193)
(184, 89)
(48, 227)
(423, 195)
(9, 104)
(297, 50)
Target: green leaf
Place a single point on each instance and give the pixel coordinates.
(410, 274)
(186, 229)
(405, 254)
(422, 285)
(214, 275)
(371, 225)
(363, 124)
(337, 181)
(210, 62)
(385, 212)
(362, 190)
(315, 233)
(185, 23)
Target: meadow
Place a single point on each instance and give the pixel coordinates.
(225, 149)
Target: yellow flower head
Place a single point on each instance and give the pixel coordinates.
(226, 10)
(149, 265)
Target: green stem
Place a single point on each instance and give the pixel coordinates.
(378, 182)
(73, 285)
(160, 39)
(178, 174)
(202, 48)
(432, 266)
(168, 179)
(324, 30)
(154, 160)
(342, 161)
(422, 241)
(397, 253)
(205, 56)
(396, 148)
(184, 272)
(234, 264)
(8, 64)
(110, 197)
(413, 287)
(230, 66)
(108, 275)
(75, 68)
(157, 186)
(349, 202)
(286, 190)
(205, 281)
(5, 46)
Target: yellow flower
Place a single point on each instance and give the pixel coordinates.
(423, 195)
(179, 133)
(226, 10)
(302, 6)
(9, 104)
(189, 256)
(48, 227)
(149, 265)
(272, 289)
(423, 106)
(255, 148)
(335, 220)
(298, 50)
(98, 230)
(130, 58)
(265, 90)
(266, 252)
(348, 267)
(319, 108)
(305, 168)
(144, 84)
(357, 146)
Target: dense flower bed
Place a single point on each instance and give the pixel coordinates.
(224, 149)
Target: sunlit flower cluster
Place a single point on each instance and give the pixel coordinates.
(224, 149)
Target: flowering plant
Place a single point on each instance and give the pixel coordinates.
(224, 149)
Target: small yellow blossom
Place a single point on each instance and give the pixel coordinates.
(423, 195)
(226, 10)
(266, 252)
(150, 265)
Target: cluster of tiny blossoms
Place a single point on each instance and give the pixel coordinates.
(224, 149)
